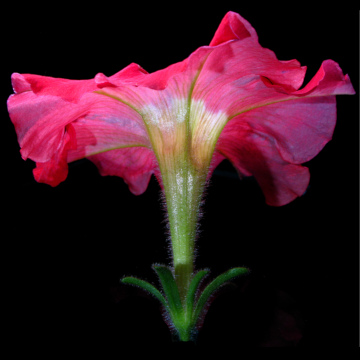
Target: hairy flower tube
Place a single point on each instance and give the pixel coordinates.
(230, 100)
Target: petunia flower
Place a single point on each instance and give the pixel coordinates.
(230, 100)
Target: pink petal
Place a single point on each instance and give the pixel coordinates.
(232, 27)
(68, 90)
(107, 124)
(135, 165)
(255, 154)
(260, 93)
(328, 80)
(231, 78)
(287, 128)
(132, 74)
(40, 122)
(299, 128)
(55, 170)
(45, 109)
(159, 79)
(271, 124)
(19, 83)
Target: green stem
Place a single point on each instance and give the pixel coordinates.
(183, 189)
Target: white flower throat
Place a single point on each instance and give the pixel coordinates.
(177, 130)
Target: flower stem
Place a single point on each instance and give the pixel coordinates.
(183, 189)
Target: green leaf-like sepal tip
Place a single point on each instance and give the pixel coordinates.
(170, 289)
(213, 287)
(194, 285)
(146, 286)
(184, 315)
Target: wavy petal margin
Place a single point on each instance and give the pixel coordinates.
(233, 93)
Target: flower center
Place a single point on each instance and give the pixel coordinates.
(206, 127)
(184, 133)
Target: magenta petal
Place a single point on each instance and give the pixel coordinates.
(45, 109)
(107, 124)
(256, 154)
(41, 110)
(55, 170)
(274, 127)
(329, 80)
(132, 74)
(299, 129)
(68, 90)
(274, 137)
(134, 165)
(40, 122)
(233, 90)
(19, 83)
(231, 78)
(232, 27)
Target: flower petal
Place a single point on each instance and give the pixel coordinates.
(232, 27)
(269, 125)
(131, 74)
(107, 124)
(260, 93)
(256, 154)
(329, 80)
(299, 128)
(291, 127)
(230, 76)
(19, 83)
(68, 90)
(134, 165)
(43, 109)
(40, 122)
(55, 170)
(302, 121)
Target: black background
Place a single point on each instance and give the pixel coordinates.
(64, 249)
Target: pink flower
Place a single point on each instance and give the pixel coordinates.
(230, 100)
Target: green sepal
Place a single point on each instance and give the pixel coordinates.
(146, 286)
(170, 289)
(184, 317)
(190, 298)
(213, 287)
